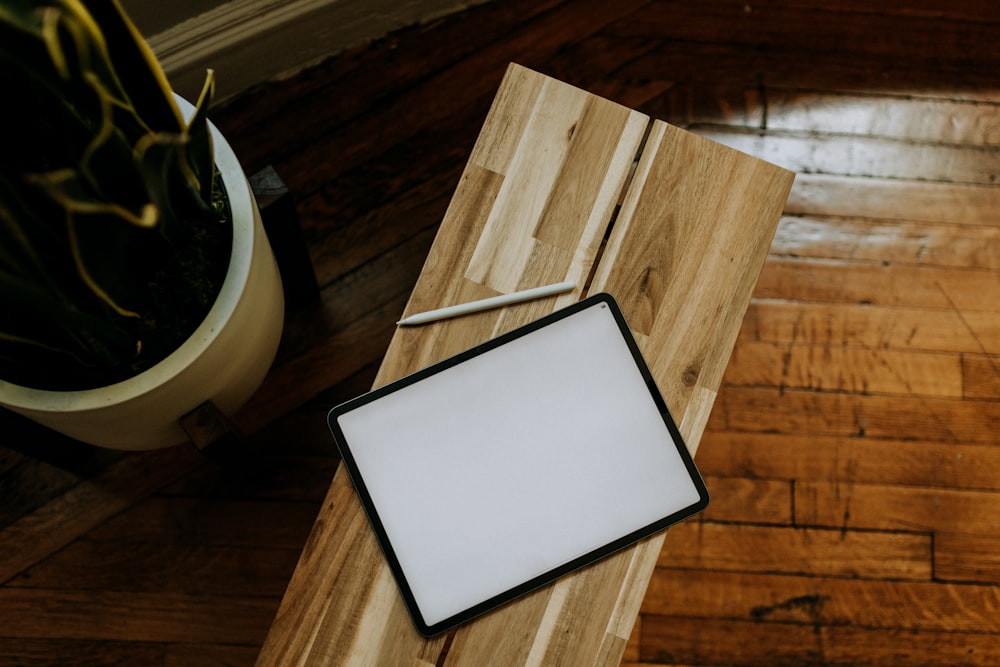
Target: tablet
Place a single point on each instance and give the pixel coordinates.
(507, 466)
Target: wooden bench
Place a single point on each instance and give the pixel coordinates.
(561, 185)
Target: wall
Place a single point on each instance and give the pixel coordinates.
(252, 41)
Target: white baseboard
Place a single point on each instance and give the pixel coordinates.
(248, 42)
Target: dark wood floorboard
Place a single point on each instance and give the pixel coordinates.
(853, 454)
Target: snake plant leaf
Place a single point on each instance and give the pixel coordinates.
(42, 314)
(17, 252)
(100, 247)
(101, 162)
(29, 342)
(138, 70)
(110, 251)
(24, 297)
(17, 353)
(72, 191)
(20, 13)
(99, 233)
(200, 154)
(156, 157)
(80, 48)
(42, 141)
(41, 326)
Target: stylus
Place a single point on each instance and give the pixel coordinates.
(485, 304)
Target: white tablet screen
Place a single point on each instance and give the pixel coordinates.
(496, 471)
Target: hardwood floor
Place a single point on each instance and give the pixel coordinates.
(853, 455)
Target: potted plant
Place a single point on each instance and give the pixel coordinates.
(136, 281)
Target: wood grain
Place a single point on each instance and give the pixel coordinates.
(793, 550)
(936, 244)
(681, 640)
(763, 457)
(875, 157)
(825, 600)
(532, 207)
(134, 616)
(750, 500)
(966, 511)
(85, 506)
(858, 415)
(871, 326)
(857, 370)
(890, 111)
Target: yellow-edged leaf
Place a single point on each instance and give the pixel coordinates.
(58, 184)
(81, 267)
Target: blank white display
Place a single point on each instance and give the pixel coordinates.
(514, 462)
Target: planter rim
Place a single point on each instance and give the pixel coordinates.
(241, 206)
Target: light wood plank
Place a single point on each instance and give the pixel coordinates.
(806, 111)
(809, 457)
(880, 283)
(664, 263)
(332, 627)
(891, 199)
(855, 370)
(965, 246)
(942, 121)
(706, 545)
(653, 269)
(680, 640)
(980, 376)
(696, 641)
(749, 500)
(855, 645)
(816, 413)
(870, 326)
(860, 156)
(965, 557)
(824, 601)
(569, 164)
(845, 504)
(465, 261)
(538, 153)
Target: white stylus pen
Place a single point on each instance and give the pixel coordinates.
(486, 304)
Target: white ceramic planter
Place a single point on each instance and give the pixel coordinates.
(225, 360)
